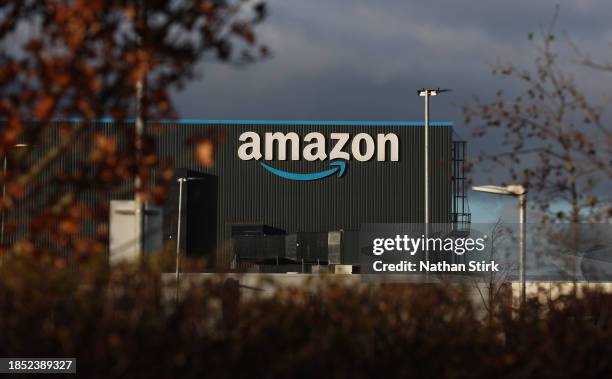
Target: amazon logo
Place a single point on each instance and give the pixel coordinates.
(338, 149)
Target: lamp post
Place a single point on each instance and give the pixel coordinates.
(180, 181)
(426, 93)
(140, 133)
(19, 145)
(520, 192)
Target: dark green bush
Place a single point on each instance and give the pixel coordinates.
(127, 323)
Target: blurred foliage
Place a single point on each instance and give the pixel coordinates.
(551, 133)
(82, 60)
(127, 322)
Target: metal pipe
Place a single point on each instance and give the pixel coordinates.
(522, 248)
(137, 179)
(139, 134)
(426, 157)
(426, 176)
(178, 232)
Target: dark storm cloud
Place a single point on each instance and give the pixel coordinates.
(349, 60)
(363, 59)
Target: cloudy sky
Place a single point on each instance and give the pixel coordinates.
(364, 60)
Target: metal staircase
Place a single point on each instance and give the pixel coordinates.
(460, 216)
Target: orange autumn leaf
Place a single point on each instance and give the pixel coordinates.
(44, 106)
(15, 189)
(205, 152)
(69, 227)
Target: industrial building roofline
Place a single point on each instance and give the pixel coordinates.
(273, 122)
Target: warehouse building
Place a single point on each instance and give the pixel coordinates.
(292, 195)
(287, 195)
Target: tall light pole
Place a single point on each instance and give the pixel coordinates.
(426, 93)
(139, 135)
(19, 145)
(520, 192)
(178, 232)
(139, 211)
(181, 181)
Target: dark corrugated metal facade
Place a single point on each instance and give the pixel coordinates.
(369, 192)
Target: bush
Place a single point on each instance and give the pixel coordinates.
(128, 323)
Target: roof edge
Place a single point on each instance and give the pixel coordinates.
(272, 122)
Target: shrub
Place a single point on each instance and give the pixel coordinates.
(128, 323)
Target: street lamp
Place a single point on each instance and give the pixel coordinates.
(520, 192)
(426, 93)
(19, 145)
(178, 227)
